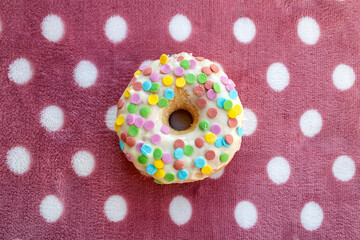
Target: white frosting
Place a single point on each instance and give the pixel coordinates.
(167, 140)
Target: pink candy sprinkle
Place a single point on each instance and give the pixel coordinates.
(215, 129)
(232, 82)
(139, 122)
(155, 139)
(138, 146)
(192, 63)
(165, 129)
(179, 71)
(128, 157)
(135, 99)
(142, 68)
(165, 68)
(224, 80)
(149, 125)
(130, 119)
(229, 87)
(211, 94)
(166, 158)
(154, 76)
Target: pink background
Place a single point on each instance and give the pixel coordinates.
(213, 201)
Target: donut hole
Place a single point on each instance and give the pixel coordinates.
(180, 120)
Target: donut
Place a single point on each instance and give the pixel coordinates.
(180, 119)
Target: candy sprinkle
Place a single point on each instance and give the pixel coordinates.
(145, 111)
(206, 170)
(158, 163)
(190, 78)
(169, 94)
(179, 153)
(167, 80)
(163, 59)
(145, 149)
(183, 174)
(188, 150)
(200, 162)
(130, 119)
(178, 165)
(210, 137)
(224, 157)
(160, 173)
(180, 82)
(143, 159)
(169, 177)
(119, 120)
(153, 99)
(132, 108)
(163, 102)
(151, 169)
(185, 64)
(202, 78)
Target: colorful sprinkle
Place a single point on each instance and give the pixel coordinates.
(141, 68)
(224, 80)
(127, 93)
(128, 157)
(157, 181)
(200, 162)
(210, 154)
(163, 102)
(120, 120)
(202, 78)
(169, 177)
(238, 109)
(233, 94)
(210, 137)
(153, 99)
(154, 76)
(200, 59)
(204, 125)
(145, 149)
(179, 58)
(209, 85)
(214, 68)
(151, 169)
(178, 165)
(137, 86)
(149, 125)
(169, 94)
(232, 122)
(130, 141)
(219, 142)
(228, 105)
(178, 153)
(163, 59)
(167, 80)
(158, 163)
(145, 111)
(139, 122)
(188, 150)
(229, 139)
(183, 174)
(206, 70)
(123, 136)
(200, 102)
(232, 113)
(165, 68)
(215, 129)
(146, 85)
(192, 63)
(147, 71)
(240, 131)
(135, 99)
(190, 78)
(121, 145)
(206, 170)
(212, 112)
(199, 90)
(216, 87)
(224, 143)
(132, 108)
(220, 102)
(130, 119)
(199, 142)
(138, 146)
(120, 103)
(179, 144)
(229, 87)
(166, 158)
(133, 131)
(165, 129)
(180, 82)
(211, 94)
(155, 139)
(185, 64)
(154, 87)
(178, 71)
(160, 173)
(143, 159)
(224, 157)
(137, 73)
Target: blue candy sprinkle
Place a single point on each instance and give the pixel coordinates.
(240, 131)
(225, 143)
(121, 145)
(200, 162)
(146, 85)
(169, 94)
(151, 169)
(145, 149)
(220, 102)
(218, 143)
(179, 153)
(233, 94)
(183, 174)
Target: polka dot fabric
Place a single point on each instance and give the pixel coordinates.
(64, 65)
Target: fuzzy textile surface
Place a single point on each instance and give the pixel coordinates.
(64, 64)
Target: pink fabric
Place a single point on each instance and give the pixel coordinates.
(213, 201)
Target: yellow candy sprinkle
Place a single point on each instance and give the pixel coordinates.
(232, 113)
(210, 137)
(137, 72)
(159, 163)
(163, 59)
(206, 170)
(153, 99)
(238, 109)
(127, 93)
(117, 127)
(119, 120)
(167, 80)
(180, 82)
(160, 173)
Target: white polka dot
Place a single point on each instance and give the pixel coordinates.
(20, 71)
(244, 30)
(277, 76)
(278, 170)
(218, 174)
(344, 168)
(146, 63)
(308, 30)
(18, 160)
(52, 28)
(115, 208)
(343, 77)
(180, 28)
(110, 117)
(52, 118)
(180, 210)
(83, 163)
(311, 216)
(51, 208)
(115, 29)
(310, 123)
(245, 214)
(85, 73)
(219, 65)
(250, 122)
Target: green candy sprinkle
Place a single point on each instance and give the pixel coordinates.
(185, 64)
(224, 157)
(132, 108)
(188, 150)
(216, 87)
(154, 87)
(204, 125)
(190, 78)
(169, 177)
(163, 102)
(157, 181)
(228, 105)
(133, 131)
(202, 78)
(157, 153)
(145, 111)
(143, 159)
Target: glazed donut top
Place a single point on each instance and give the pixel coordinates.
(180, 82)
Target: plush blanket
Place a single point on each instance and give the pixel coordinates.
(64, 64)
